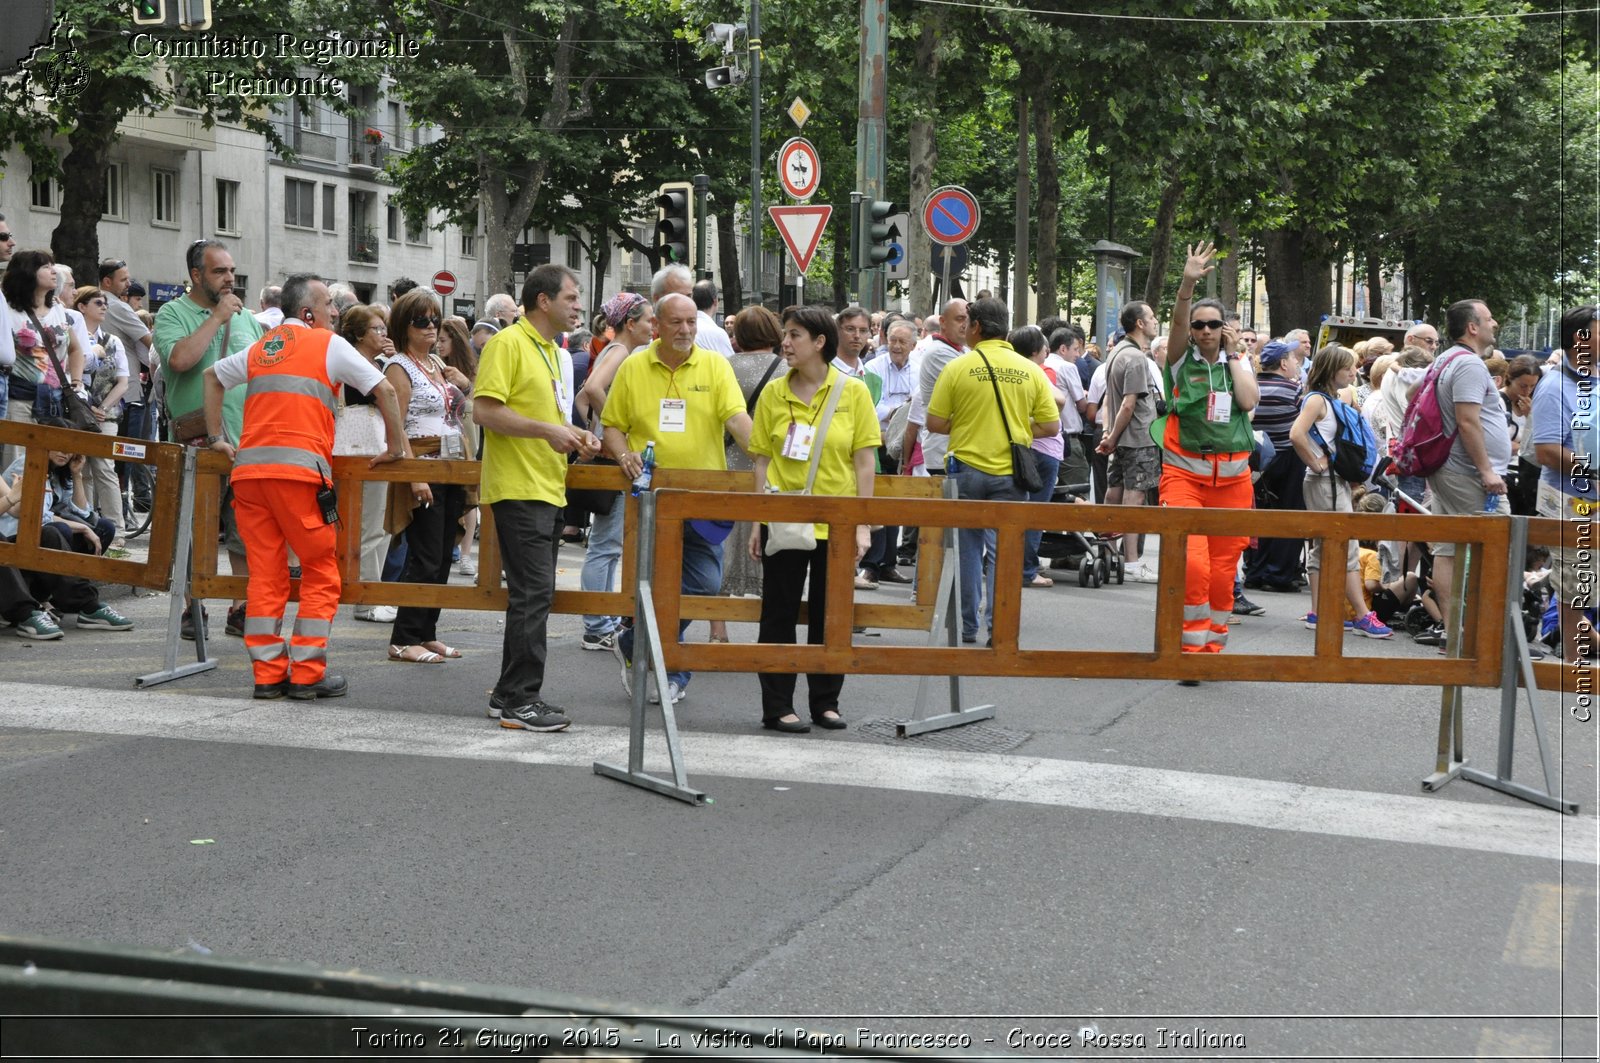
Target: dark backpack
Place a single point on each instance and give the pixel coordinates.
(1424, 445)
(1354, 453)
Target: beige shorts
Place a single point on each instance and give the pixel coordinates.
(1452, 494)
(1329, 494)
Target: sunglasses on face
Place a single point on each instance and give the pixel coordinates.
(6, 238)
(425, 322)
(1213, 323)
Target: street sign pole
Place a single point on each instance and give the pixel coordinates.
(855, 248)
(753, 36)
(872, 131)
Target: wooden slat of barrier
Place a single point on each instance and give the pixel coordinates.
(1482, 669)
(1568, 677)
(26, 553)
(1169, 594)
(1007, 605)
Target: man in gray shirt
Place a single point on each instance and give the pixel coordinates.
(121, 321)
(1469, 482)
(939, 350)
(1130, 406)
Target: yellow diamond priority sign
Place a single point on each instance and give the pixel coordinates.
(799, 112)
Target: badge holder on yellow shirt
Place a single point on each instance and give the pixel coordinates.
(802, 535)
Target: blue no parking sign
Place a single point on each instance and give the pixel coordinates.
(951, 215)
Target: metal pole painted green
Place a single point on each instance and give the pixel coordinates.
(754, 39)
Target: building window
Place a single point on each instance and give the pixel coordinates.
(299, 203)
(228, 207)
(574, 254)
(46, 194)
(115, 208)
(397, 130)
(469, 244)
(164, 189)
(327, 208)
(308, 115)
(392, 221)
(417, 232)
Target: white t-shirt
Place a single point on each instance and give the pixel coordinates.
(345, 365)
(1097, 393)
(1070, 381)
(711, 336)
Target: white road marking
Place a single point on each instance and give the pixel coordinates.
(1262, 803)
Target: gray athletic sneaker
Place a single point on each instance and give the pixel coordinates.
(105, 618)
(538, 716)
(38, 626)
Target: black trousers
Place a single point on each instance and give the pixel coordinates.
(22, 593)
(429, 540)
(530, 538)
(1281, 487)
(885, 549)
(783, 580)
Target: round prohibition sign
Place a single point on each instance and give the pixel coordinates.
(799, 168)
(951, 215)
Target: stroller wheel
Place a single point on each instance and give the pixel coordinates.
(1085, 567)
(1117, 567)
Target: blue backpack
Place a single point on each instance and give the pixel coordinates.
(1354, 453)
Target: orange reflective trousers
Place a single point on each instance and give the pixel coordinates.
(273, 516)
(1213, 560)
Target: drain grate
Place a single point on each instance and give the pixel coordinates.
(983, 737)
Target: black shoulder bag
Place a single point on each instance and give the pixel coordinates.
(1024, 469)
(74, 409)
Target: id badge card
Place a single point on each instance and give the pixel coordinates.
(797, 444)
(1219, 407)
(452, 448)
(563, 400)
(674, 415)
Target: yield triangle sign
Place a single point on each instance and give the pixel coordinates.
(801, 229)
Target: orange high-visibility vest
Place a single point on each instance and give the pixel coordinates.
(289, 408)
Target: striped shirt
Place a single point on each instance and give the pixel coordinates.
(1277, 408)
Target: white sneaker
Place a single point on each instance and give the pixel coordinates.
(675, 693)
(465, 567)
(1139, 572)
(380, 614)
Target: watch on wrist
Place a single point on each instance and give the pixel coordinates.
(211, 440)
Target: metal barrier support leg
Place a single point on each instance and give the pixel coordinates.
(1517, 663)
(648, 660)
(1451, 757)
(182, 563)
(946, 613)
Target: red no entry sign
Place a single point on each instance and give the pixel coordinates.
(951, 215)
(444, 282)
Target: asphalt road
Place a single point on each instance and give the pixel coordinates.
(1254, 860)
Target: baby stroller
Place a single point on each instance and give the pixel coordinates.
(1097, 558)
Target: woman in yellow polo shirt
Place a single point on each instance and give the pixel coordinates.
(786, 430)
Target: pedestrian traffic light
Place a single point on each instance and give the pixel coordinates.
(877, 234)
(149, 12)
(675, 222)
(173, 14)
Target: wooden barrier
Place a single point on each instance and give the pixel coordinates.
(156, 570)
(486, 593)
(1572, 676)
(1479, 665)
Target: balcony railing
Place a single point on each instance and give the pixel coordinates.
(364, 246)
(365, 156)
(314, 145)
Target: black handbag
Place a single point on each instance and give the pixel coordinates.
(1024, 469)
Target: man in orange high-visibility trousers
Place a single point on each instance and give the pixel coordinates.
(1206, 442)
(283, 463)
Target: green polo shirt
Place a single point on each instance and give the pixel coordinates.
(186, 390)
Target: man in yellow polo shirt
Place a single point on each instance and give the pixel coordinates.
(524, 412)
(681, 398)
(964, 406)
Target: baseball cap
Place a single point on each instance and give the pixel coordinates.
(1277, 351)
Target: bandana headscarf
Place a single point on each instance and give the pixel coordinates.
(618, 308)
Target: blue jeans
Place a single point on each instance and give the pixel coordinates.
(973, 543)
(601, 563)
(1048, 468)
(702, 574)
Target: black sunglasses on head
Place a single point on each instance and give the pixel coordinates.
(1213, 323)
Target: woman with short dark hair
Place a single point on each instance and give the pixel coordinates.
(39, 327)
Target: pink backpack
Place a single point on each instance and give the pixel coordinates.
(1424, 444)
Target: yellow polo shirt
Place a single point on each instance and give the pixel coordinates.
(522, 369)
(853, 427)
(965, 396)
(706, 384)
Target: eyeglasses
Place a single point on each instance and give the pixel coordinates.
(1215, 322)
(381, 330)
(425, 322)
(6, 238)
(96, 302)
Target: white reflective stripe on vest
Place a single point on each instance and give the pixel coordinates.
(282, 456)
(1203, 466)
(285, 384)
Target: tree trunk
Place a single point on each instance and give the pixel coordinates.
(728, 261)
(1297, 280)
(1003, 282)
(1374, 284)
(1161, 240)
(76, 239)
(600, 255)
(924, 156)
(1228, 269)
(1047, 270)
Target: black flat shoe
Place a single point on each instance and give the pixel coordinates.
(830, 723)
(793, 727)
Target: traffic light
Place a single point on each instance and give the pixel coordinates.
(877, 234)
(675, 222)
(173, 14)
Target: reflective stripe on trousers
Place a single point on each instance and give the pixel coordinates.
(263, 640)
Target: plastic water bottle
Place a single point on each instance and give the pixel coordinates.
(642, 481)
(1491, 503)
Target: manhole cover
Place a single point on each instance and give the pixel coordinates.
(984, 737)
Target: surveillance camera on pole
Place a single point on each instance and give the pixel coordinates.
(725, 34)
